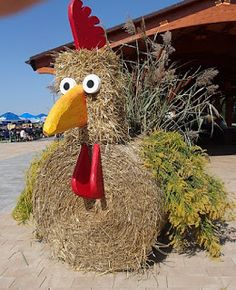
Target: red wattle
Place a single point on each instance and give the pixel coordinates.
(87, 180)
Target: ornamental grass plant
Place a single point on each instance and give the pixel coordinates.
(160, 95)
(195, 202)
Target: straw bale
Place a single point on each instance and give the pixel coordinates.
(91, 236)
(106, 110)
(113, 234)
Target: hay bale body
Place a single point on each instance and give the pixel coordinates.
(117, 238)
(121, 236)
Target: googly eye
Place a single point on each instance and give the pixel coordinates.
(67, 84)
(92, 84)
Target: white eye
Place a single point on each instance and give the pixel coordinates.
(91, 84)
(67, 84)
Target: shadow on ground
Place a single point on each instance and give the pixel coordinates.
(220, 150)
(227, 234)
(163, 248)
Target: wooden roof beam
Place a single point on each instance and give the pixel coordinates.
(46, 70)
(214, 14)
(186, 14)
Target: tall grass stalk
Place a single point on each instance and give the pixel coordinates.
(159, 96)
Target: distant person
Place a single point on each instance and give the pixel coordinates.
(6, 134)
(11, 136)
(17, 135)
(1, 135)
(29, 132)
(23, 135)
(8, 7)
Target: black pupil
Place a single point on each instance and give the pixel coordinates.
(90, 84)
(66, 86)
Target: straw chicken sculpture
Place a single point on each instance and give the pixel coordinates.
(102, 210)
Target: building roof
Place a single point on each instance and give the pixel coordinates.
(182, 15)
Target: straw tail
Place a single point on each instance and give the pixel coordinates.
(84, 27)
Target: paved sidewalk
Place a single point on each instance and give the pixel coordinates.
(9, 150)
(26, 263)
(14, 160)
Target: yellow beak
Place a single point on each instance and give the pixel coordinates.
(70, 111)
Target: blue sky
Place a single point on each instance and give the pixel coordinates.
(43, 27)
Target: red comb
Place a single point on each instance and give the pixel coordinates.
(84, 27)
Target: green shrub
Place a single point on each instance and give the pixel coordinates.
(24, 207)
(194, 200)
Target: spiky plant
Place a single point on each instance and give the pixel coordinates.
(160, 97)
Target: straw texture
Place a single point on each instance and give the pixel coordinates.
(97, 237)
(106, 110)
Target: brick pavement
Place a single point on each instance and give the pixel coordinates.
(9, 150)
(26, 263)
(14, 159)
